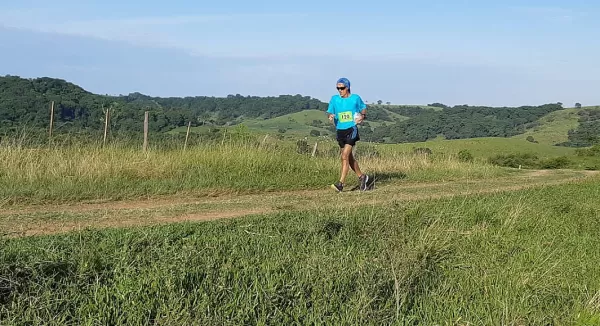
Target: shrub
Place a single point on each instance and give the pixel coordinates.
(422, 150)
(556, 163)
(302, 147)
(531, 139)
(593, 151)
(525, 160)
(465, 156)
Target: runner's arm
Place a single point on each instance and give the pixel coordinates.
(363, 108)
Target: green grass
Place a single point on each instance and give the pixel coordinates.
(554, 127)
(296, 125)
(85, 172)
(483, 147)
(393, 115)
(516, 258)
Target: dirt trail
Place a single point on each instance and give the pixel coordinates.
(45, 227)
(41, 220)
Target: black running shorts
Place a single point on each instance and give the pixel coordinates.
(347, 136)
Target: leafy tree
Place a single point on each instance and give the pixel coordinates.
(438, 105)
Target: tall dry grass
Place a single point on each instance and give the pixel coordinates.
(68, 173)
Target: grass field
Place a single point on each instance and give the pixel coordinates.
(513, 257)
(246, 231)
(75, 173)
(483, 147)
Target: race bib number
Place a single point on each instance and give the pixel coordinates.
(345, 116)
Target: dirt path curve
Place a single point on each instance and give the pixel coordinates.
(41, 220)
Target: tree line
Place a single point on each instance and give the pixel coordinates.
(26, 103)
(464, 121)
(587, 132)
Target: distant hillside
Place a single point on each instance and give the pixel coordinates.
(553, 128)
(574, 127)
(308, 123)
(298, 124)
(463, 121)
(587, 132)
(26, 102)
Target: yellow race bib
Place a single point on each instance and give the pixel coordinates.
(345, 116)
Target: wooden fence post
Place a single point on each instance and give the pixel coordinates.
(51, 118)
(187, 135)
(315, 149)
(106, 125)
(145, 131)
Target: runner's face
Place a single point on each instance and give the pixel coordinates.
(342, 89)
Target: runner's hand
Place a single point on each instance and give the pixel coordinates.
(358, 118)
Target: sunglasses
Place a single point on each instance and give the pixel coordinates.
(341, 88)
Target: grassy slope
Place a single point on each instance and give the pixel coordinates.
(554, 127)
(517, 258)
(294, 123)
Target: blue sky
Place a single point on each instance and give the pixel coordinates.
(411, 52)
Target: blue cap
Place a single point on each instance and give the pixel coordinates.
(344, 81)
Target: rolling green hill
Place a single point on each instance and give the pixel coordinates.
(25, 103)
(554, 127)
(299, 123)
